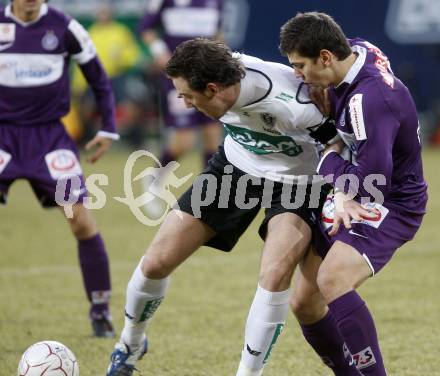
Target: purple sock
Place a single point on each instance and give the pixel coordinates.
(207, 155)
(358, 332)
(166, 157)
(325, 339)
(96, 274)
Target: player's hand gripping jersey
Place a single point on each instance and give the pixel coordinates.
(268, 128)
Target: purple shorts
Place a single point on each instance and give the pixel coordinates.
(175, 113)
(376, 240)
(43, 155)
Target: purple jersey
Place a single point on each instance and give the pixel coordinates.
(34, 63)
(376, 117)
(181, 20)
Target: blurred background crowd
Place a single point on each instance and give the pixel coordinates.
(408, 31)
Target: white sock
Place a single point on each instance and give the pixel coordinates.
(244, 371)
(264, 324)
(144, 296)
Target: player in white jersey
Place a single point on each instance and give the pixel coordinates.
(268, 160)
(268, 127)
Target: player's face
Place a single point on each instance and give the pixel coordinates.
(27, 6)
(206, 101)
(312, 71)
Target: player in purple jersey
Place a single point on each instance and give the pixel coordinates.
(36, 44)
(377, 120)
(166, 24)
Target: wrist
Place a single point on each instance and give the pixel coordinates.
(109, 135)
(340, 198)
(334, 140)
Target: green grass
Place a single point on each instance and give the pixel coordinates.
(198, 330)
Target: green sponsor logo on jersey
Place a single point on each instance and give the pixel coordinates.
(284, 97)
(262, 143)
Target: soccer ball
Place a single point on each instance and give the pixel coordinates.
(48, 358)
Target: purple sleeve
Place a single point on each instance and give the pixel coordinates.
(376, 128)
(97, 78)
(81, 48)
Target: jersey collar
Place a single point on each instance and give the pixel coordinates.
(8, 13)
(357, 66)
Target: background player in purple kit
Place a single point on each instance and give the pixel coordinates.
(36, 44)
(166, 24)
(377, 119)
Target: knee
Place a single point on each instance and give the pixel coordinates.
(81, 230)
(155, 269)
(180, 147)
(276, 272)
(328, 281)
(157, 265)
(82, 224)
(306, 310)
(298, 306)
(276, 276)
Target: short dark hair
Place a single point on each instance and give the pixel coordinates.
(201, 61)
(309, 33)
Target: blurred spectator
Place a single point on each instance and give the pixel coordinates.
(165, 25)
(120, 54)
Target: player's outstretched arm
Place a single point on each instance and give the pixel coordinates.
(83, 51)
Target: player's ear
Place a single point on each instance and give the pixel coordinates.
(326, 57)
(211, 89)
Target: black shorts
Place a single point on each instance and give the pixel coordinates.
(227, 200)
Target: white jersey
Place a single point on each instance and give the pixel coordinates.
(267, 128)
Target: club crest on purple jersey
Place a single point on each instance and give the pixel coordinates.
(50, 41)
